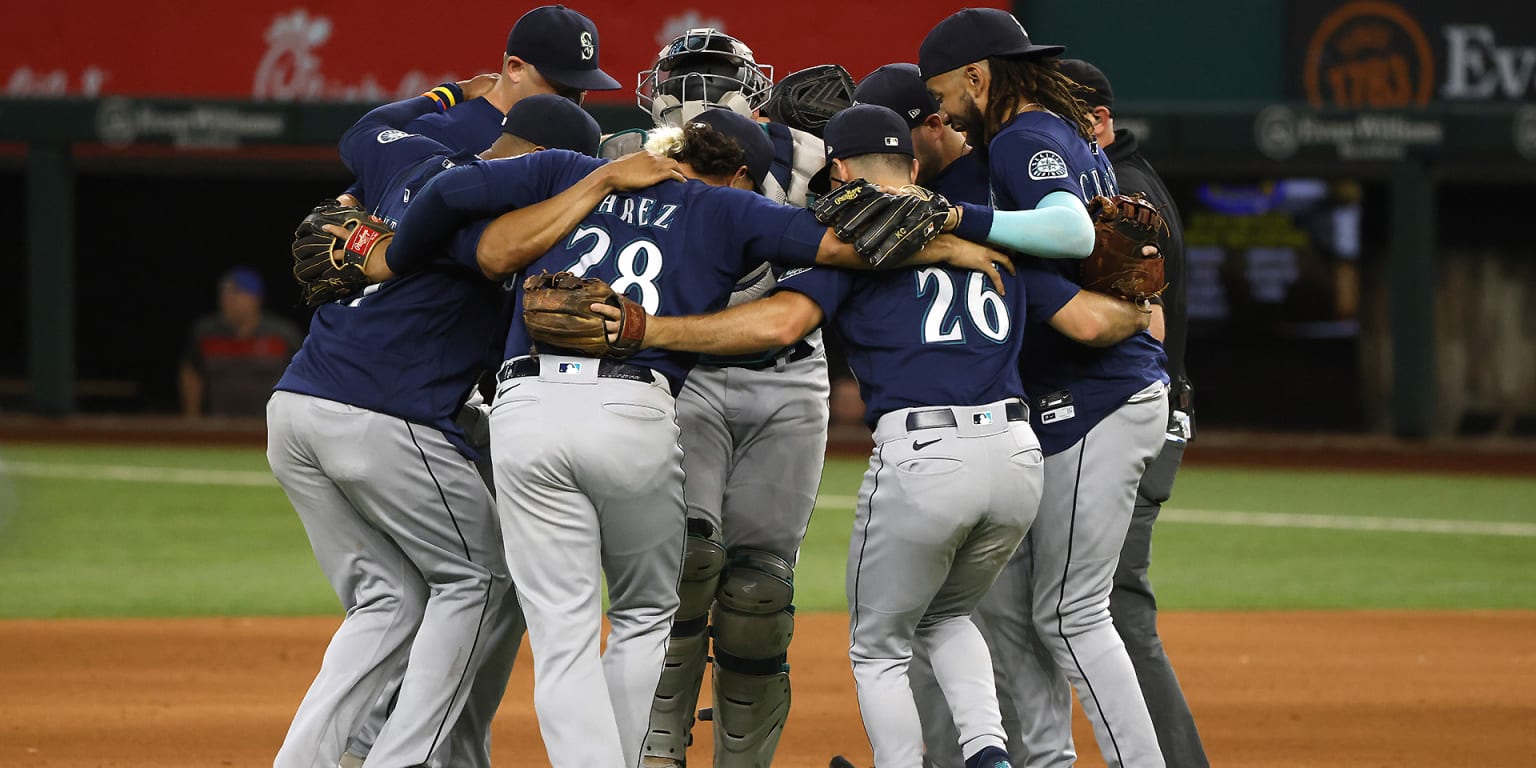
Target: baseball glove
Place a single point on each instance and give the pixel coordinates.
(557, 311)
(809, 98)
(326, 268)
(1124, 226)
(885, 229)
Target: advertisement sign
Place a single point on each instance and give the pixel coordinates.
(1397, 54)
(325, 50)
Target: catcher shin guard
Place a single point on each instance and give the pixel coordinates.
(753, 622)
(682, 673)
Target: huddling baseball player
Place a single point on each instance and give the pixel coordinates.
(407, 537)
(753, 428)
(1099, 413)
(1132, 603)
(588, 471)
(951, 487)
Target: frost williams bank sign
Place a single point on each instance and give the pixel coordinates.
(1376, 54)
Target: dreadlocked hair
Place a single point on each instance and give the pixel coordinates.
(708, 151)
(1017, 80)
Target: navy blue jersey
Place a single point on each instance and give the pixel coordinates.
(922, 337)
(1035, 154)
(412, 346)
(964, 180)
(676, 248)
(467, 129)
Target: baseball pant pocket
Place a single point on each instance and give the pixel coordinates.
(929, 466)
(635, 411)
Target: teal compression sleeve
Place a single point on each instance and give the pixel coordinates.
(1058, 228)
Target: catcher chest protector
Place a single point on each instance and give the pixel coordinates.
(699, 69)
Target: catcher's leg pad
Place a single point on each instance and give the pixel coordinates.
(753, 622)
(682, 672)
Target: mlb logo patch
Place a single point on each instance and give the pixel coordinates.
(891, 141)
(570, 368)
(981, 419)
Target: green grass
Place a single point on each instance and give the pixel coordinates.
(72, 547)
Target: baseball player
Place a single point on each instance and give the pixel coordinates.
(435, 522)
(950, 489)
(530, 65)
(1099, 413)
(588, 469)
(945, 163)
(754, 434)
(1131, 601)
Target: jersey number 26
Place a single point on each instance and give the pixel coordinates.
(986, 310)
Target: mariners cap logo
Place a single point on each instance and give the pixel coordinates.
(588, 48)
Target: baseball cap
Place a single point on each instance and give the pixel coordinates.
(563, 45)
(245, 279)
(897, 87)
(553, 122)
(1087, 74)
(862, 129)
(974, 34)
(748, 133)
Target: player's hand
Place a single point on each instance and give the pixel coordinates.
(612, 322)
(479, 85)
(376, 267)
(964, 254)
(348, 200)
(639, 170)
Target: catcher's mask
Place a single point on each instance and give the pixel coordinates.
(699, 69)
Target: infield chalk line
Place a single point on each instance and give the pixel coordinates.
(1317, 522)
(252, 478)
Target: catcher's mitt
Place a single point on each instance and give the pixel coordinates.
(326, 268)
(809, 98)
(885, 229)
(1124, 226)
(557, 310)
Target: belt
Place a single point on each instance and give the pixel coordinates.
(944, 417)
(606, 369)
(800, 351)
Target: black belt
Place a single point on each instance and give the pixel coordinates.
(800, 351)
(606, 369)
(945, 417)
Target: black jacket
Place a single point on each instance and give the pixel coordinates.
(1134, 174)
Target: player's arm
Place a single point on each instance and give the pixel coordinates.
(1098, 320)
(515, 239)
(1057, 228)
(368, 132)
(769, 323)
(1157, 324)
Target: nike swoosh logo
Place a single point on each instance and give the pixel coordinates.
(918, 445)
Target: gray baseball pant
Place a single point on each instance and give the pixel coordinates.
(404, 530)
(940, 512)
(589, 482)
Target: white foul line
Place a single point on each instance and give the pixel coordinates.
(1316, 522)
(130, 474)
(251, 478)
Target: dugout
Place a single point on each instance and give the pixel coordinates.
(1349, 271)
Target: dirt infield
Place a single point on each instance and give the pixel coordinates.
(1321, 690)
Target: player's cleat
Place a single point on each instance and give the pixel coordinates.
(989, 757)
(707, 714)
(838, 761)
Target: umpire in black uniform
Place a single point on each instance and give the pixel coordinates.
(1131, 602)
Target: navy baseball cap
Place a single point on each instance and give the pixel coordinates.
(244, 279)
(897, 87)
(862, 129)
(553, 122)
(748, 133)
(974, 34)
(563, 45)
(1087, 74)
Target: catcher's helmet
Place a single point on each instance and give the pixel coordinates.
(699, 69)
